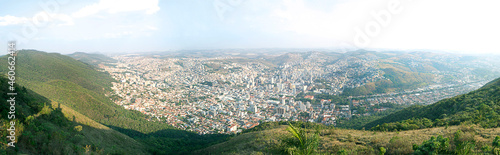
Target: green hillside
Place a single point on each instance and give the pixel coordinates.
(396, 77)
(395, 80)
(477, 107)
(80, 87)
(44, 128)
(273, 138)
(35, 67)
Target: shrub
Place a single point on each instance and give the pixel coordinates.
(398, 145)
(434, 145)
(382, 151)
(464, 143)
(496, 142)
(78, 128)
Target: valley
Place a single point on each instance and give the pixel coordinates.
(230, 93)
(177, 104)
(249, 77)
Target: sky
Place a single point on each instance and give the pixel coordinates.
(132, 26)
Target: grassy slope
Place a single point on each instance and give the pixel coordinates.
(101, 134)
(334, 140)
(48, 127)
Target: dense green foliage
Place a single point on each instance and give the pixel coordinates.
(382, 151)
(462, 143)
(409, 124)
(496, 146)
(433, 146)
(359, 122)
(340, 100)
(477, 107)
(496, 142)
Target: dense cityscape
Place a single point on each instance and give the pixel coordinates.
(228, 94)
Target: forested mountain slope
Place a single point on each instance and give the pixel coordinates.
(45, 127)
(478, 107)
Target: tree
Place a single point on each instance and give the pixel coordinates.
(496, 146)
(496, 142)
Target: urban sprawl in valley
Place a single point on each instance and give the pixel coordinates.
(226, 94)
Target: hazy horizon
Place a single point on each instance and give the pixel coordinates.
(111, 26)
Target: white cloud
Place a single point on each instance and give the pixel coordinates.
(53, 18)
(455, 25)
(450, 25)
(154, 28)
(117, 6)
(336, 23)
(118, 34)
(39, 19)
(12, 20)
